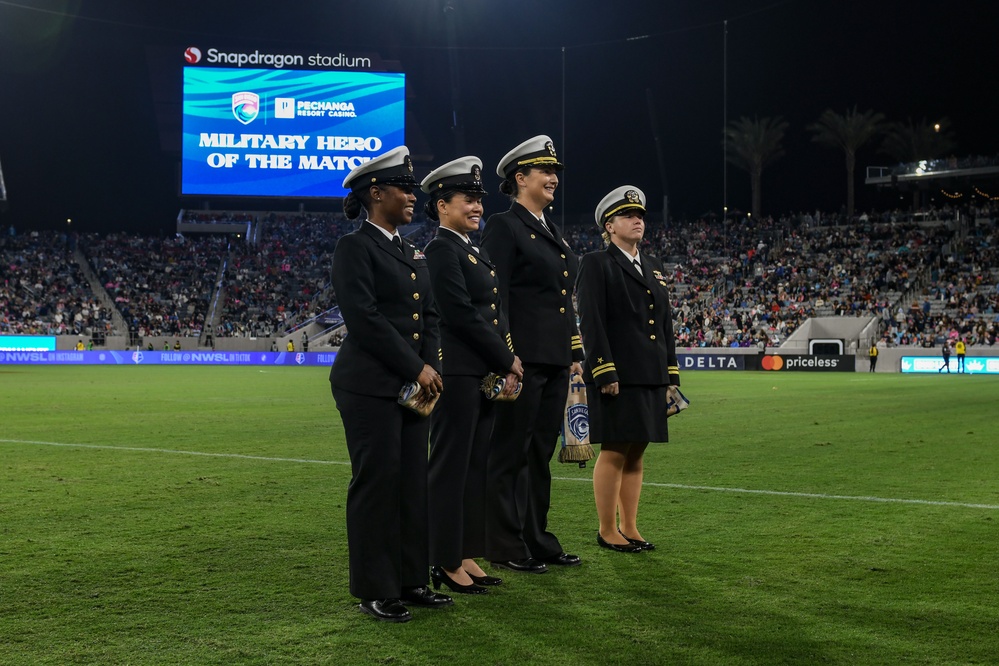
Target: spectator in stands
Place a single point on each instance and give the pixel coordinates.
(383, 287)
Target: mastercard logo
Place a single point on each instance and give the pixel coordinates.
(773, 362)
(192, 55)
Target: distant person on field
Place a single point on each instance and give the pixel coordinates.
(946, 357)
(176, 345)
(290, 346)
(873, 354)
(79, 345)
(305, 342)
(960, 348)
(166, 345)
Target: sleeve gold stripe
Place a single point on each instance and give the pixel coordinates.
(604, 369)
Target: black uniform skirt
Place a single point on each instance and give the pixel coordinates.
(635, 414)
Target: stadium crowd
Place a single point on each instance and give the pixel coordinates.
(739, 283)
(43, 290)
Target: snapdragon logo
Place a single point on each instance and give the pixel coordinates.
(276, 60)
(192, 55)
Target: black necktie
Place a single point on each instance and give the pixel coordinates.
(638, 266)
(398, 244)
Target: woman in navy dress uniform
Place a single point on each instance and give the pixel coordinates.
(382, 285)
(537, 271)
(474, 342)
(627, 330)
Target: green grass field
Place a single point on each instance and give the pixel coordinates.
(162, 515)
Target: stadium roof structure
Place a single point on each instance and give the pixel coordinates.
(949, 172)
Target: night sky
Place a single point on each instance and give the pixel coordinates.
(90, 98)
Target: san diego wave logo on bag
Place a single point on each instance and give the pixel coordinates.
(578, 417)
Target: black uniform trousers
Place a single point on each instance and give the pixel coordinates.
(387, 497)
(524, 439)
(459, 444)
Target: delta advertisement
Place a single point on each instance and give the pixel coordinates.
(285, 132)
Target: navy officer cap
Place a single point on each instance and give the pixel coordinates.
(626, 197)
(538, 151)
(461, 175)
(392, 168)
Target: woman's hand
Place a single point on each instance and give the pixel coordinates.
(576, 369)
(610, 389)
(511, 385)
(430, 383)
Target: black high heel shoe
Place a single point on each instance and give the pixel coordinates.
(439, 576)
(485, 580)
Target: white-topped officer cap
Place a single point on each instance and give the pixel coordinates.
(626, 197)
(462, 175)
(538, 151)
(392, 168)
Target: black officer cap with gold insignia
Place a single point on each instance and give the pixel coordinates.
(461, 175)
(392, 168)
(538, 151)
(626, 197)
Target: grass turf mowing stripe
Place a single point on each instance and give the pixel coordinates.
(651, 484)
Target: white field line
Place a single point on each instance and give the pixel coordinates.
(174, 451)
(651, 484)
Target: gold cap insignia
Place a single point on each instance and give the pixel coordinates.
(632, 197)
(551, 148)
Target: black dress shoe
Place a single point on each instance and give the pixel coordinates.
(387, 610)
(423, 596)
(485, 580)
(438, 576)
(619, 547)
(644, 545)
(526, 565)
(562, 559)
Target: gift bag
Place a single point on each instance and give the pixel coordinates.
(576, 425)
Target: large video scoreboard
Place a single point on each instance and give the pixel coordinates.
(285, 132)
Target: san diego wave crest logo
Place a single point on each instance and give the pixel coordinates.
(245, 106)
(579, 421)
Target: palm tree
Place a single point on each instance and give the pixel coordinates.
(755, 143)
(848, 132)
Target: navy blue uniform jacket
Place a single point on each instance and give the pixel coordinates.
(537, 273)
(626, 321)
(474, 335)
(388, 307)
